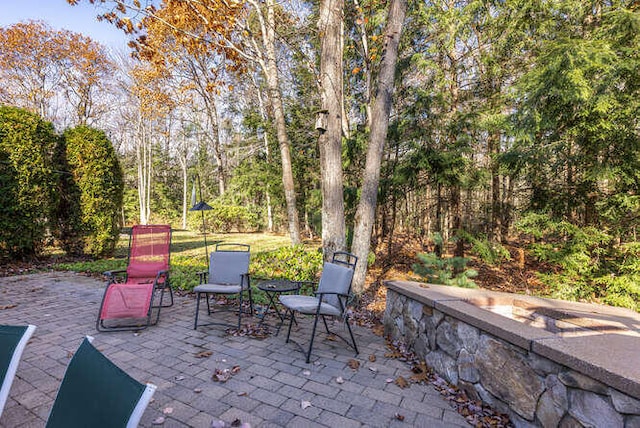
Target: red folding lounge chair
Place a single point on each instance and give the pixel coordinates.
(128, 301)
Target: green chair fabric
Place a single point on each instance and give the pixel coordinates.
(96, 393)
(13, 340)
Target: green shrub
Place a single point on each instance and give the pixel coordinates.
(292, 262)
(492, 253)
(589, 265)
(445, 270)
(99, 180)
(224, 218)
(27, 147)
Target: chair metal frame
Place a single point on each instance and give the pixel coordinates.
(20, 335)
(244, 284)
(120, 278)
(344, 260)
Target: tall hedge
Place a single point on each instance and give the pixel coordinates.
(27, 181)
(99, 180)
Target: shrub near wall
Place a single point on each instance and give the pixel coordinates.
(99, 179)
(27, 146)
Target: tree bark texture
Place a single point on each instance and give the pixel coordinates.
(365, 213)
(330, 27)
(275, 97)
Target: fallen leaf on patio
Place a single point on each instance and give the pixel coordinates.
(374, 369)
(218, 424)
(378, 330)
(421, 373)
(8, 306)
(306, 373)
(394, 354)
(305, 404)
(242, 394)
(399, 417)
(388, 380)
(235, 369)
(332, 337)
(354, 364)
(167, 410)
(158, 421)
(197, 390)
(339, 380)
(221, 375)
(236, 423)
(179, 378)
(203, 354)
(402, 382)
(223, 360)
(70, 354)
(372, 358)
(136, 334)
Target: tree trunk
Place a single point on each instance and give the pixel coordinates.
(330, 27)
(379, 126)
(271, 72)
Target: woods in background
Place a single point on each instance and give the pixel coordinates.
(508, 119)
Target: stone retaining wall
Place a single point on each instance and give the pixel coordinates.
(520, 370)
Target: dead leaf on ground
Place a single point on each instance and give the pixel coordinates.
(332, 337)
(401, 382)
(378, 330)
(8, 306)
(421, 373)
(235, 369)
(236, 423)
(167, 410)
(203, 354)
(242, 394)
(197, 390)
(372, 358)
(339, 379)
(306, 373)
(399, 417)
(353, 364)
(373, 369)
(158, 421)
(305, 404)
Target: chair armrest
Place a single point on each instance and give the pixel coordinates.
(112, 275)
(203, 276)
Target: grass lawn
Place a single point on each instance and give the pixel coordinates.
(272, 256)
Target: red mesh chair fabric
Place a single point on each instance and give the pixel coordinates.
(147, 270)
(149, 252)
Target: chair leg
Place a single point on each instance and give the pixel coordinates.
(250, 301)
(240, 310)
(351, 334)
(195, 324)
(313, 334)
(326, 327)
(290, 324)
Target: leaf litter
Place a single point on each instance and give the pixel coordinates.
(475, 412)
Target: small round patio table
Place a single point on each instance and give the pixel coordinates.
(273, 288)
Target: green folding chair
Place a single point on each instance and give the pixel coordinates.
(13, 340)
(96, 393)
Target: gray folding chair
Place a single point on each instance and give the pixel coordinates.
(228, 275)
(334, 290)
(13, 340)
(96, 393)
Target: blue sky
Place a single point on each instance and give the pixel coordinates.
(60, 15)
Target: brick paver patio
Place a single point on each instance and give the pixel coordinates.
(267, 391)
